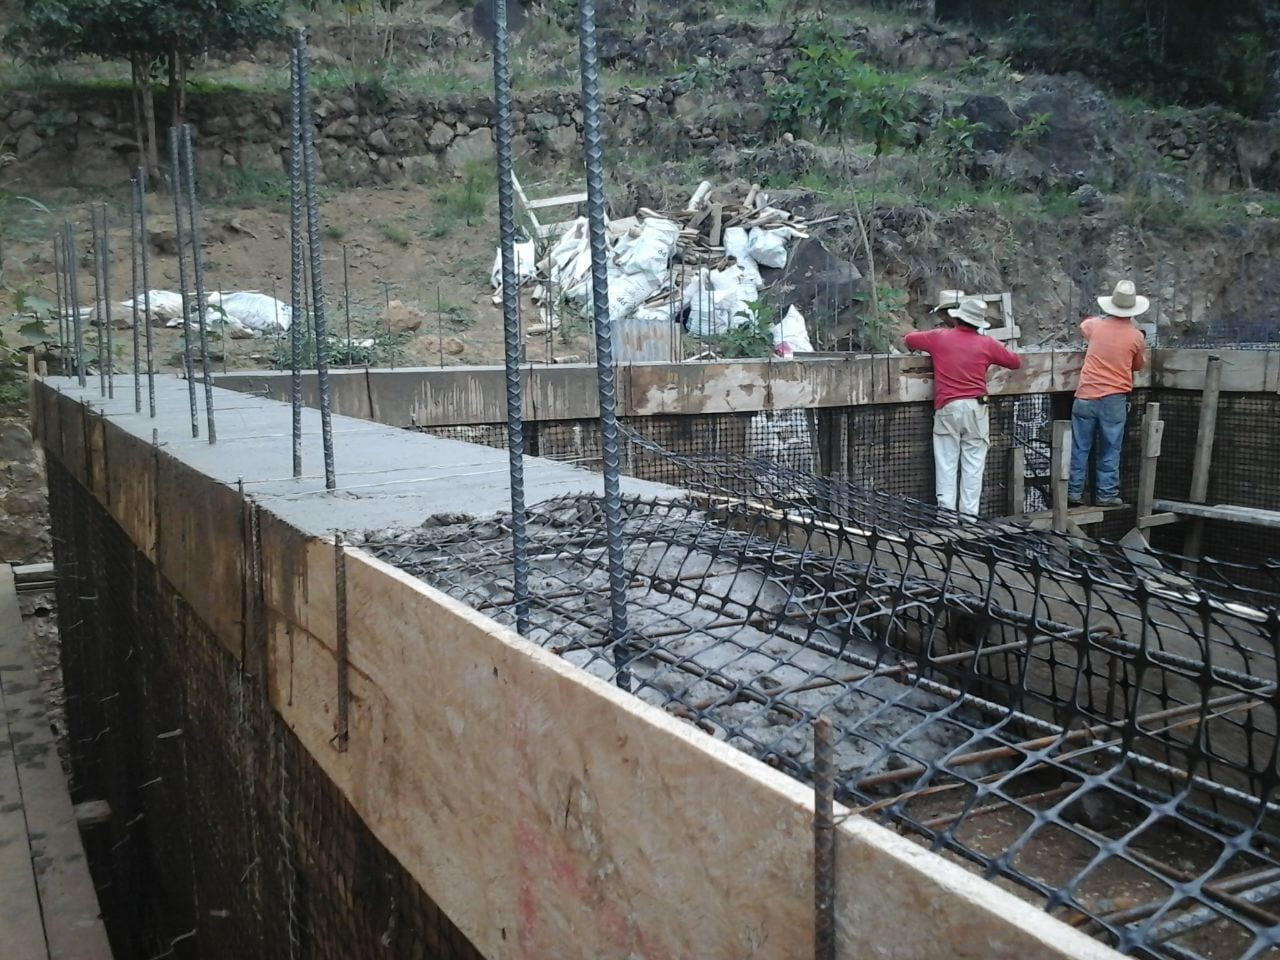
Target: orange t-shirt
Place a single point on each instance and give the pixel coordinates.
(1116, 349)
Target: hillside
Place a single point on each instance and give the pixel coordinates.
(990, 175)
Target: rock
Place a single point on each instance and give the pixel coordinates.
(1254, 209)
(261, 156)
(475, 146)
(402, 132)
(20, 119)
(997, 118)
(441, 136)
(454, 347)
(402, 317)
(379, 142)
(1089, 198)
(218, 124)
(541, 121)
(29, 143)
(345, 128)
(15, 441)
(421, 167)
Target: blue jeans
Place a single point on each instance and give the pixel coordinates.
(1104, 419)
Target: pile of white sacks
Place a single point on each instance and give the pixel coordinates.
(645, 285)
(243, 314)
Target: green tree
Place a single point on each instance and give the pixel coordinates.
(153, 36)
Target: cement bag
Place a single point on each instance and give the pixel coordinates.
(737, 245)
(526, 264)
(165, 305)
(711, 312)
(738, 281)
(790, 334)
(627, 291)
(768, 247)
(252, 310)
(648, 248)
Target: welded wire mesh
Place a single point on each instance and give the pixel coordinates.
(1082, 725)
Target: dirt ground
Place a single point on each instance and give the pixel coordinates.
(403, 243)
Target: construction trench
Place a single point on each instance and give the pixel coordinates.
(1059, 746)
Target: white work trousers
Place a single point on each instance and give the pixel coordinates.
(961, 438)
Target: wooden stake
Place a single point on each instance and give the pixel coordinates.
(1204, 454)
(1060, 472)
(1152, 435)
(1017, 482)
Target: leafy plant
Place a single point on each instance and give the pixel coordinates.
(955, 146)
(751, 338)
(1033, 129)
(879, 322)
(828, 85)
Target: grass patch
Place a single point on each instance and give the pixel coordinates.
(250, 187)
(397, 234)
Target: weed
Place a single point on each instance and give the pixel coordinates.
(954, 146)
(751, 338)
(252, 187)
(1033, 129)
(333, 231)
(397, 234)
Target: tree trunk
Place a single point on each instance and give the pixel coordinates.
(1271, 82)
(149, 122)
(139, 131)
(175, 107)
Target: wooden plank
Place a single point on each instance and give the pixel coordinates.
(1222, 511)
(1152, 438)
(73, 929)
(562, 201)
(1059, 472)
(1244, 370)
(1157, 520)
(1017, 482)
(21, 928)
(538, 842)
(1205, 434)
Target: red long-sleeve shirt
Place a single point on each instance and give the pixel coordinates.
(960, 360)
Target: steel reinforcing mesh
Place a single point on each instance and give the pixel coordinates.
(226, 838)
(1088, 727)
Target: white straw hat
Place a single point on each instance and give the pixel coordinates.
(1124, 301)
(947, 299)
(973, 312)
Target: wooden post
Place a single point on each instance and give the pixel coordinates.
(1152, 435)
(1017, 482)
(1204, 454)
(1060, 472)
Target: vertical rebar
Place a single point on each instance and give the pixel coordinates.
(96, 246)
(175, 184)
(317, 269)
(440, 321)
(133, 293)
(295, 259)
(197, 263)
(510, 314)
(824, 841)
(593, 152)
(105, 257)
(346, 297)
(73, 294)
(144, 252)
(58, 301)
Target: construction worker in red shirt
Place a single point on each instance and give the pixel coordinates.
(1116, 348)
(961, 431)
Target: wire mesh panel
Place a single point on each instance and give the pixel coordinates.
(226, 838)
(1094, 731)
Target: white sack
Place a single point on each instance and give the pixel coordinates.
(737, 244)
(165, 305)
(711, 311)
(526, 254)
(792, 333)
(251, 310)
(647, 248)
(768, 247)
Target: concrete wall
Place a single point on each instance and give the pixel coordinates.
(545, 812)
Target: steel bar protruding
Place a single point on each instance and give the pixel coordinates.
(59, 302)
(175, 184)
(197, 262)
(96, 245)
(317, 266)
(510, 314)
(593, 151)
(105, 259)
(346, 297)
(133, 292)
(73, 295)
(297, 320)
(140, 189)
(824, 841)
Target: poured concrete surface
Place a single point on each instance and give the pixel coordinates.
(385, 476)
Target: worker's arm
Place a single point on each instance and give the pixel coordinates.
(919, 340)
(1002, 356)
(1140, 351)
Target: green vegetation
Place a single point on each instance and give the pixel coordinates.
(397, 234)
(152, 36)
(751, 338)
(249, 187)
